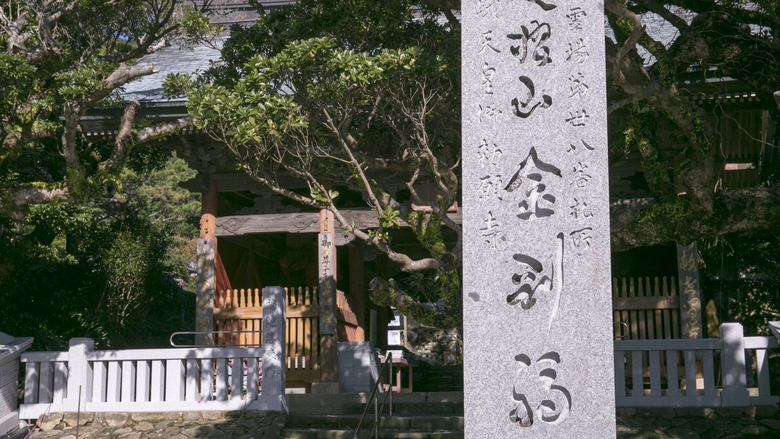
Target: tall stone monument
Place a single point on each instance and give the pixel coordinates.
(537, 303)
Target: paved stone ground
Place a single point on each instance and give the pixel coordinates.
(748, 423)
(177, 425)
(741, 423)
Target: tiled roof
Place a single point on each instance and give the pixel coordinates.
(171, 59)
(174, 59)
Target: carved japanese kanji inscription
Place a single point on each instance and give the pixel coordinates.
(536, 286)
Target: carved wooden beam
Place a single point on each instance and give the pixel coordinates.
(307, 222)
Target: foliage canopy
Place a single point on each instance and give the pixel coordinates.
(72, 262)
(368, 92)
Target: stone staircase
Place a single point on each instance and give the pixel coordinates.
(433, 415)
(439, 379)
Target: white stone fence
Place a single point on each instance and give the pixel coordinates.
(683, 372)
(162, 380)
(11, 348)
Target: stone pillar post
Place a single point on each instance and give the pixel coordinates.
(274, 324)
(732, 357)
(204, 301)
(79, 373)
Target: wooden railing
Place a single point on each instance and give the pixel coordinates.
(303, 329)
(720, 363)
(240, 311)
(646, 309)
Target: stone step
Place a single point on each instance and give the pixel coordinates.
(395, 427)
(416, 403)
(313, 433)
(421, 422)
(414, 408)
(449, 387)
(441, 379)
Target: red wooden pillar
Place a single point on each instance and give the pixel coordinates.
(208, 226)
(208, 210)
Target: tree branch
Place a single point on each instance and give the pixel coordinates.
(148, 133)
(119, 77)
(72, 112)
(123, 137)
(387, 293)
(32, 195)
(639, 223)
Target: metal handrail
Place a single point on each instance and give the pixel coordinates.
(622, 334)
(377, 409)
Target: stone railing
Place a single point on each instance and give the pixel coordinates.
(161, 380)
(683, 372)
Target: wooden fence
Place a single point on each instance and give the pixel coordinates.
(237, 318)
(645, 308)
(723, 373)
(240, 310)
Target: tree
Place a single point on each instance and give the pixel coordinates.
(71, 270)
(735, 39)
(356, 91)
(155, 193)
(350, 91)
(58, 60)
(73, 261)
(114, 270)
(742, 278)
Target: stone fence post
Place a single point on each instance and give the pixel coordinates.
(206, 289)
(79, 374)
(274, 324)
(732, 357)
(11, 349)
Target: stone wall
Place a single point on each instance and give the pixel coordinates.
(431, 343)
